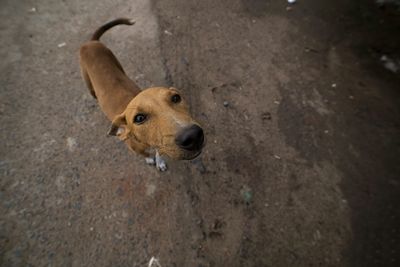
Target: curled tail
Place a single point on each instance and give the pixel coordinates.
(99, 32)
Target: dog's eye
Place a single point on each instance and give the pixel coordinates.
(139, 118)
(176, 98)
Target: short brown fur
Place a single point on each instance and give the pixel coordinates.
(121, 99)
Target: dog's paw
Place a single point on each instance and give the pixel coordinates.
(160, 163)
(162, 167)
(150, 161)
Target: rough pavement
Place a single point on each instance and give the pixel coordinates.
(301, 166)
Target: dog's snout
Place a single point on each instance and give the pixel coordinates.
(190, 138)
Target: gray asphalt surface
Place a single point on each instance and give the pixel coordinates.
(301, 166)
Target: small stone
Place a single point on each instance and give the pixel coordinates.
(317, 235)
(246, 194)
(390, 64)
(333, 85)
(326, 131)
(61, 44)
(71, 144)
(277, 157)
(226, 103)
(276, 102)
(351, 97)
(266, 116)
(91, 229)
(167, 32)
(118, 236)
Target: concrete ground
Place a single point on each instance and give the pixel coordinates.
(301, 167)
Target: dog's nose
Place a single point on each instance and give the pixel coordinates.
(190, 138)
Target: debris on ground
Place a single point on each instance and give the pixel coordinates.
(277, 157)
(71, 144)
(154, 262)
(246, 193)
(266, 116)
(390, 63)
(167, 32)
(61, 44)
(226, 103)
(317, 235)
(310, 49)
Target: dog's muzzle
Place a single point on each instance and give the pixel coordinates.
(190, 139)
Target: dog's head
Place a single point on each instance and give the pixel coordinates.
(159, 118)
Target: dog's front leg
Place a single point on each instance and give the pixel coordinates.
(158, 161)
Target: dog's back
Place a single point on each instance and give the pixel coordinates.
(104, 75)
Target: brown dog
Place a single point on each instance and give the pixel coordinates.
(155, 120)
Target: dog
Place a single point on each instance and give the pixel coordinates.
(154, 122)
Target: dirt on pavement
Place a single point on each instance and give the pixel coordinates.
(301, 165)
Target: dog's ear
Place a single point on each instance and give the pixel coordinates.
(119, 127)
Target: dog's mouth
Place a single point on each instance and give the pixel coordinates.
(181, 154)
(193, 156)
(188, 145)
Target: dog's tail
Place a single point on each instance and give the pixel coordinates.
(99, 32)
